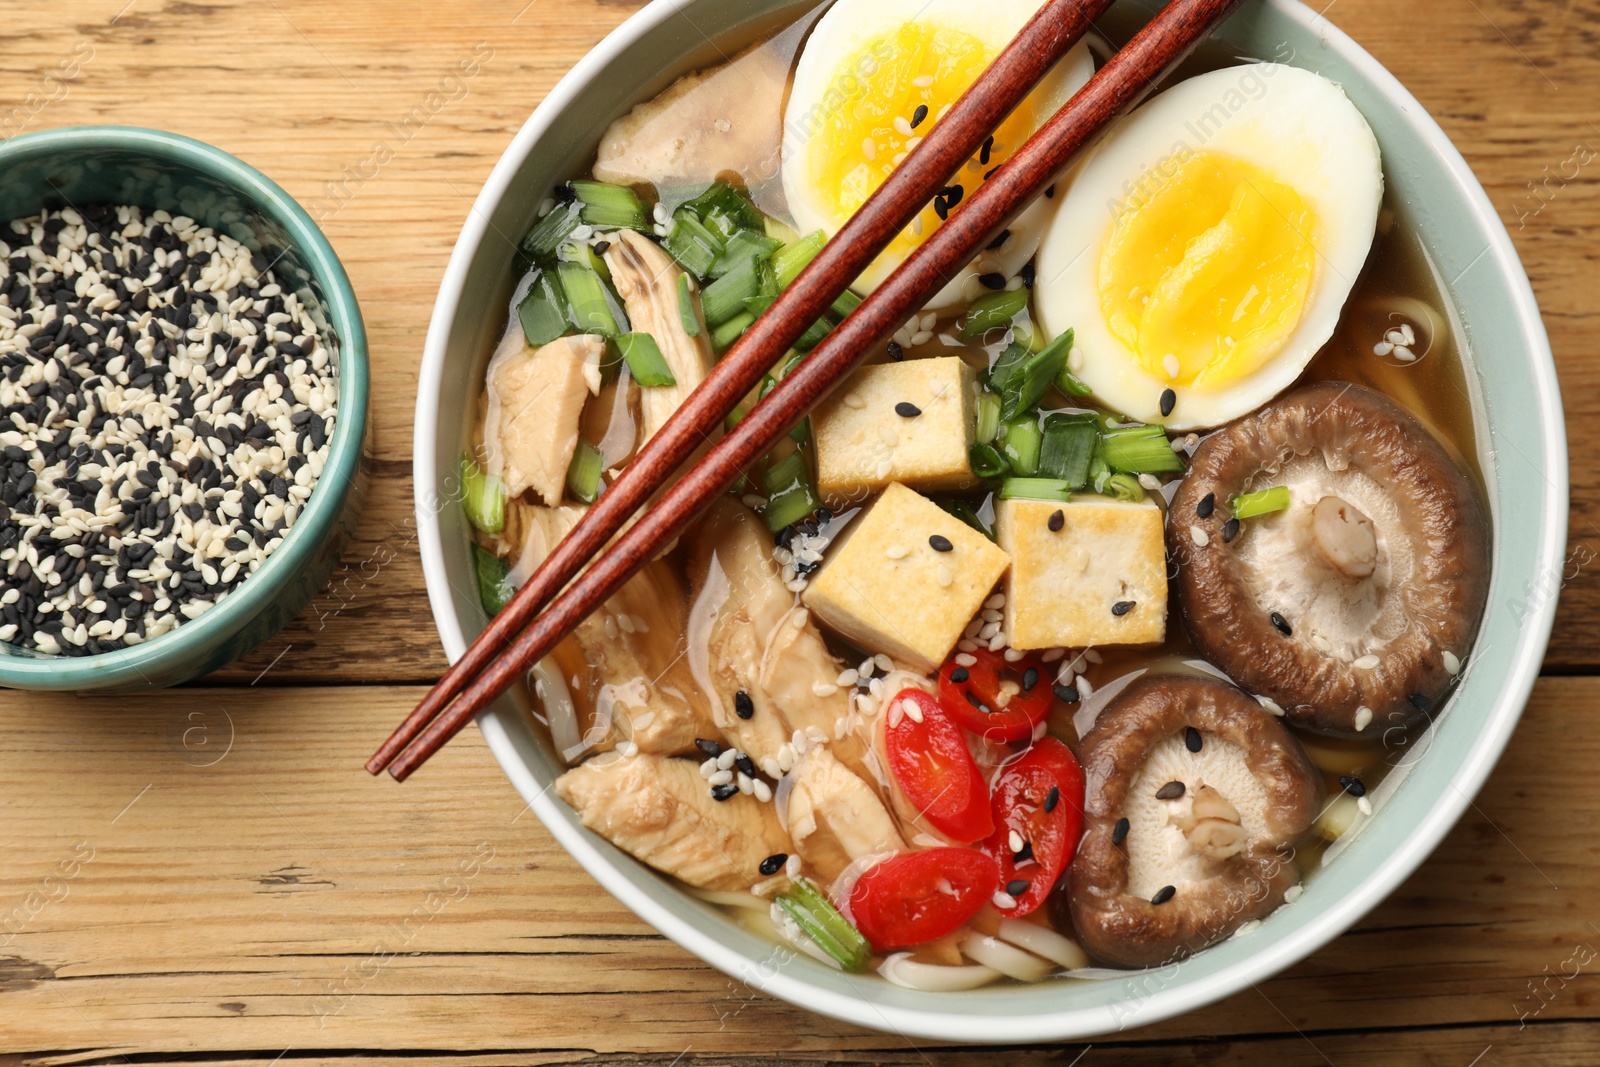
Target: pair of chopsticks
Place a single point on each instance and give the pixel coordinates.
(505, 650)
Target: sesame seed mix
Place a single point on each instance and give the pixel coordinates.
(1169, 400)
(164, 415)
(1192, 739)
(907, 410)
(1171, 791)
(1207, 505)
(1281, 624)
(1164, 894)
(1119, 832)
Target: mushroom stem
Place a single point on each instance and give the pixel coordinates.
(1344, 538)
(1213, 826)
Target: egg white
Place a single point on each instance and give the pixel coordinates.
(1297, 126)
(820, 85)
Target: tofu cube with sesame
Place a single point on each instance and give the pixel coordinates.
(906, 579)
(1092, 572)
(910, 422)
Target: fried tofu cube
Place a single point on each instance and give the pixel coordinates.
(867, 436)
(888, 589)
(1096, 576)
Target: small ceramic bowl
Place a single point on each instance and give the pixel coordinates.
(1522, 444)
(152, 169)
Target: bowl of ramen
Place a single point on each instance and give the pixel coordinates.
(1123, 630)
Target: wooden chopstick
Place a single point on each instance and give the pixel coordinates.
(1125, 79)
(949, 144)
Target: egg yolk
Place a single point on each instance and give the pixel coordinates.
(1207, 269)
(879, 105)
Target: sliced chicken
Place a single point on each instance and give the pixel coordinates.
(536, 398)
(836, 818)
(647, 280)
(637, 677)
(661, 811)
(745, 617)
(726, 119)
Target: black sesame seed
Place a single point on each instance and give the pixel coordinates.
(602, 247)
(896, 353)
(1052, 798)
(1419, 701)
(1171, 791)
(986, 151)
(1017, 886)
(999, 239)
(1164, 894)
(1230, 530)
(918, 115)
(774, 863)
(1169, 399)
(1056, 521)
(1066, 693)
(724, 791)
(1353, 785)
(959, 675)
(907, 410)
(743, 706)
(940, 543)
(941, 208)
(1281, 624)
(745, 764)
(1050, 193)
(1207, 505)
(993, 281)
(1122, 607)
(1023, 854)
(1191, 739)
(1119, 832)
(977, 703)
(1027, 274)
(1030, 678)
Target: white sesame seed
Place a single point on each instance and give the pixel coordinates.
(944, 576)
(847, 678)
(709, 767)
(996, 602)
(1452, 665)
(883, 663)
(1364, 805)
(1271, 705)
(747, 785)
(823, 689)
(762, 790)
(1003, 900)
(1292, 894)
(721, 778)
(913, 712)
(727, 758)
(792, 867)
(897, 552)
(1014, 655)
(1199, 536)
(1363, 718)
(1365, 663)
(1015, 841)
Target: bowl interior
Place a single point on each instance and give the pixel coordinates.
(156, 170)
(1510, 374)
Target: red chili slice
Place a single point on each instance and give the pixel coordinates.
(934, 768)
(918, 897)
(978, 697)
(1040, 797)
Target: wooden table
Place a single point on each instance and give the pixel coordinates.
(207, 875)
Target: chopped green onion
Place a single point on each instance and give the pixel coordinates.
(824, 925)
(483, 495)
(722, 208)
(800, 433)
(644, 359)
(788, 489)
(1124, 487)
(590, 306)
(494, 583)
(766, 289)
(1068, 449)
(723, 337)
(543, 312)
(1035, 489)
(986, 461)
(993, 310)
(581, 252)
(1027, 378)
(845, 303)
(686, 309)
(1020, 441)
(1071, 384)
(780, 230)
(583, 473)
(794, 257)
(1139, 450)
(724, 298)
(966, 513)
(612, 207)
(548, 234)
(814, 334)
(691, 244)
(988, 417)
(746, 244)
(1261, 502)
(1006, 366)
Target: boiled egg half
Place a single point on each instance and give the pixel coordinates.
(873, 79)
(1208, 244)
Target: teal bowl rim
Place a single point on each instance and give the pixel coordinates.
(234, 611)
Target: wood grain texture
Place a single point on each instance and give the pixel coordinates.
(231, 913)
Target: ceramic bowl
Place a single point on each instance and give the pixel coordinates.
(1522, 444)
(153, 169)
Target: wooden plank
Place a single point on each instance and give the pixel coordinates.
(181, 893)
(324, 85)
